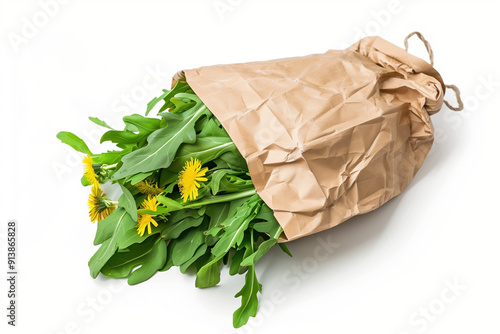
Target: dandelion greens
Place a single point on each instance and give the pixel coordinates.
(187, 199)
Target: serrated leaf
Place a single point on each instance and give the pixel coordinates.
(163, 143)
(180, 104)
(217, 177)
(111, 157)
(269, 224)
(100, 122)
(237, 225)
(232, 183)
(154, 101)
(74, 141)
(142, 127)
(180, 87)
(249, 300)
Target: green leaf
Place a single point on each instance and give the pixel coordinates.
(181, 104)
(111, 157)
(235, 202)
(263, 248)
(100, 123)
(170, 188)
(152, 262)
(172, 205)
(199, 253)
(167, 177)
(150, 256)
(131, 236)
(84, 181)
(109, 230)
(203, 260)
(234, 160)
(268, 223)
(127, 202)
(217, 177)
(168, 263)
(217, 213)
(142, 128)
(103, 254)
(154, 101)
(179, 215)
(237, 225)
(163, 143)
(234, 230)
(235, 267)
(187, 244)
(174, 230)
(180, 87)
(285, 249)
(118, 220)
(209, 274)
(249, 300)
(134, 179)
(232, 183)
(74, 141)
(211, 143)
(123, 262)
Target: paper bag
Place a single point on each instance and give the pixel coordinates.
(326, 136)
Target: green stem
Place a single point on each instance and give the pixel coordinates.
(106, 167)
(219, 199)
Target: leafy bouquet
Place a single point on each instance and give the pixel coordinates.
(187, 201)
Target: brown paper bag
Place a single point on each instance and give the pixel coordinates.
(326, 136)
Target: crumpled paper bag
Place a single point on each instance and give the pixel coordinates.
(326, 136)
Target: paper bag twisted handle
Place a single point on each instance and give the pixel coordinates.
(431, 57)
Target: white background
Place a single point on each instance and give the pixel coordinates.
(389, 267)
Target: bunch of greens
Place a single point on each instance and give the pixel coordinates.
(187, 201)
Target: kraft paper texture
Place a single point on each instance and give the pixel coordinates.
(326, 136)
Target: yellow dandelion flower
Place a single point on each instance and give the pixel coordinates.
(99, 206)
(147, 188)
(89, 171)
(145, 220)
(189, 179)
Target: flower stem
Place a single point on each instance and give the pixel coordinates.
(219, 199)
(106, 167)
